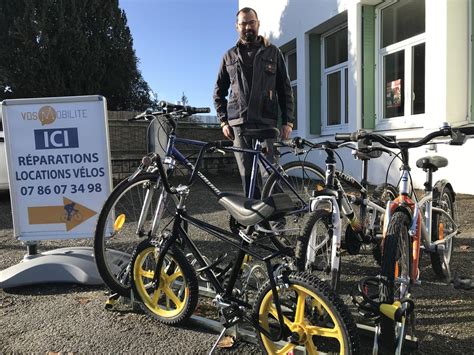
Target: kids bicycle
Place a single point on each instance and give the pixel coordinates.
(292, 309)
(411, 225)
(320, 244)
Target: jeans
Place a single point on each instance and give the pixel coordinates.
(245, 160)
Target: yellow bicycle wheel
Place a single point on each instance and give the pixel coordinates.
(175, 298)
(314, 318)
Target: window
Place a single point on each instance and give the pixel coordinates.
(290, 58)
(334, 76)
(401, 59)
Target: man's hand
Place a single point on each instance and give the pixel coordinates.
(228, 132)
(285, 131)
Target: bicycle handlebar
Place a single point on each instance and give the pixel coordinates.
(167, 108)
(190, 110)
(458, 135)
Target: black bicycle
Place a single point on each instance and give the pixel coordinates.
(139, 207)
(292, 309)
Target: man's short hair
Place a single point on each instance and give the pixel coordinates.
(246, 10)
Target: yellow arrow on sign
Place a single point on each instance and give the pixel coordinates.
(71, 213)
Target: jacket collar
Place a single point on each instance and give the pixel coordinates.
(261, 39)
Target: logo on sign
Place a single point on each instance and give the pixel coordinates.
(47, 115)
(56, 138)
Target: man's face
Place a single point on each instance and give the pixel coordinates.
(247, 26)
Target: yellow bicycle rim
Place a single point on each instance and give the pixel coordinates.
(300, 324)
(169, 300)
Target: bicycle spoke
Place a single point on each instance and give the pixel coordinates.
(286, 349)
(174, 276)
(147, 273)
(156, 296)
(324, 332)
(300, 306)
(310, 347)
(170, 294)
(274, 313)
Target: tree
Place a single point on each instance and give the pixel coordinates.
(69, 47)
(184, 99)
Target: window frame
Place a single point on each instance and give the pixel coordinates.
(343, 68)
(293, 83)
(408, 120)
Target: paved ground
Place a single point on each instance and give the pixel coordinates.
(72, 318)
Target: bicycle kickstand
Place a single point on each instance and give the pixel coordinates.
(221, 335)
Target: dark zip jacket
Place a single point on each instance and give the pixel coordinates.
(270, 88)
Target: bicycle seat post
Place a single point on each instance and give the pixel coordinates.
(253, 176)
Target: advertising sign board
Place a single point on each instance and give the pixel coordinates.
(58, 163)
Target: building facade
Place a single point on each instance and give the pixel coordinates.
(398, 66)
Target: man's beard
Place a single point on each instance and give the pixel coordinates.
(249, 36)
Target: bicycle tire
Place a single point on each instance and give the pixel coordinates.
(177, 297)
(396, 264)
(309, 306)
(114, 245)
(303, 176)
(382, 193)
(313, 248)
(441, 259)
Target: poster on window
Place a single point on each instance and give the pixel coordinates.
(394, 97)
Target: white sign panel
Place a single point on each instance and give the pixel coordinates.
(58, 165)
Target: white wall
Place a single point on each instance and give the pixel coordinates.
(447, 76)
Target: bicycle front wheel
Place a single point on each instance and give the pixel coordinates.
(302, 178)
(443, 226)
(313, 248)
(395, 276)
(176, 296)
(382, 194)
(125, 219)
(314, 317)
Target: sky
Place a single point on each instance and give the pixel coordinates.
(180, 44)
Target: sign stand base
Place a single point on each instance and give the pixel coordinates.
(68, 265)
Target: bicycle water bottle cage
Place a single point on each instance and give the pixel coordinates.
(260, 134)
(432, 163)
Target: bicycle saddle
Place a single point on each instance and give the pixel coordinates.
(249, 212)
(432, 162)
(264, 133)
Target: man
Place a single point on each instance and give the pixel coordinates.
(255, 72)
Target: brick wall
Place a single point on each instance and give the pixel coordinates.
(128, 144)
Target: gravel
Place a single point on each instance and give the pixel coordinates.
(72, 318)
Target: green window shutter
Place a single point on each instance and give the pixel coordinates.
(368, 67)
(315, 84)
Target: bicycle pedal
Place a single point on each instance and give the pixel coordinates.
(112, 301)
(232, 315)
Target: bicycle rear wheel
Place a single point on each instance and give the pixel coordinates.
(314, 318)
(119, 227)
(303, 177)
(442, 226)
(395, 275)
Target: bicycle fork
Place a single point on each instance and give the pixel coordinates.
(336, 233)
